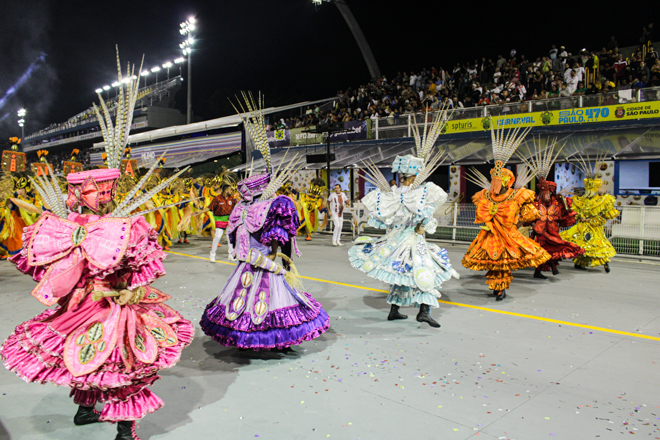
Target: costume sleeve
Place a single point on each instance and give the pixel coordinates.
(568, 215)
(528, 212)
(282, 221)
(21, 258)
(143, 260)
(609, 211)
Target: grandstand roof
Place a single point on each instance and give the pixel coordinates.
(211, 124)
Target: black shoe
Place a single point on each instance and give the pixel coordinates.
(86, 415)
(394, 313)
(554, 270)
(538, 274)
(288, 351)
(126, 431)
(501, 295)
(494, 293)
(578, 267)
(424, 316)
(607, 268)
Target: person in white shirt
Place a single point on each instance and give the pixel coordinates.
(337, 201)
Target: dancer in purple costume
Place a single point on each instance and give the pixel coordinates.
(260, 306)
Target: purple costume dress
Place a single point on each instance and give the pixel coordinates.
(258, 308)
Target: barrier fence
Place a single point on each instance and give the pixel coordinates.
(618, 105)
(636, 231)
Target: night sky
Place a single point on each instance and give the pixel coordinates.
(286, 48)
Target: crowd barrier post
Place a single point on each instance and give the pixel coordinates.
(409, 126)
(454, 221)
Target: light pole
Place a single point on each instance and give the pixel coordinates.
(167, 66)
(107, 92)
(21, 121)
(353, 25)
(188, 29)
(155, 70)
(145, 74)
(178, 61)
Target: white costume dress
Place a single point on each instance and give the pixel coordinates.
(403, 258)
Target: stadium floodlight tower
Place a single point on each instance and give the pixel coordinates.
(21, 121)
(188, 30)
(353, 25)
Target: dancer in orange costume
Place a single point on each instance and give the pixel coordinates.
(500, 248)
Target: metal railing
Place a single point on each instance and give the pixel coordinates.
(636, 231)
(390, 128)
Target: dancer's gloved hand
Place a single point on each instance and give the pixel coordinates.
(125, 295)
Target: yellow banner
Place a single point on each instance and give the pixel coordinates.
(621, 112)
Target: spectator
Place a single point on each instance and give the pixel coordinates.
(580, 90)
(620, 66)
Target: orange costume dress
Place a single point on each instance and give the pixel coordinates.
(500, 248)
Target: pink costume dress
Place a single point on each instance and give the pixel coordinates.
(101, 350)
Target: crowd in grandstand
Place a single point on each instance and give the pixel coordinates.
(504, 80)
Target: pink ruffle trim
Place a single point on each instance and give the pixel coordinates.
(34, 353)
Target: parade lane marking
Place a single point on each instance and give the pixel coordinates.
(469, 306)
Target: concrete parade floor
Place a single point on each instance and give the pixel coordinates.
(488, 373)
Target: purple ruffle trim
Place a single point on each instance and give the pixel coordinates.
(282, 221)
(273, 338)
(280, 318)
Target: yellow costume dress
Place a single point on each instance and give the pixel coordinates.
(309, 206)
(593, 210)
(500, 248)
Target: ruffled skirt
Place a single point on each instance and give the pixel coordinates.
(558, 250)
(258, 309)
(396, 258)
(35, 352)
(597, 248)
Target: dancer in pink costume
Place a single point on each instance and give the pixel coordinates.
(111, 333)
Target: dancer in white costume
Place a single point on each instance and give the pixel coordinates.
(336, 204)
(414, 268)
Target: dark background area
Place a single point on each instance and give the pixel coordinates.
(289, 49)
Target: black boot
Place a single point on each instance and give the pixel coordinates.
(86, 415)
(554, 270)
(607, 268)
(424, 316)
(501, 295)
(288, 351)
(126, 431)
(394, 313)
(577, 266)
(538, 274)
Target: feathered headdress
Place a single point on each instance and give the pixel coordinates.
(590, 170)
(264, 185)
(503, 146)
(94, 187)
(540, 160)
(116, 135)
(423, 164)
(253, 118)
